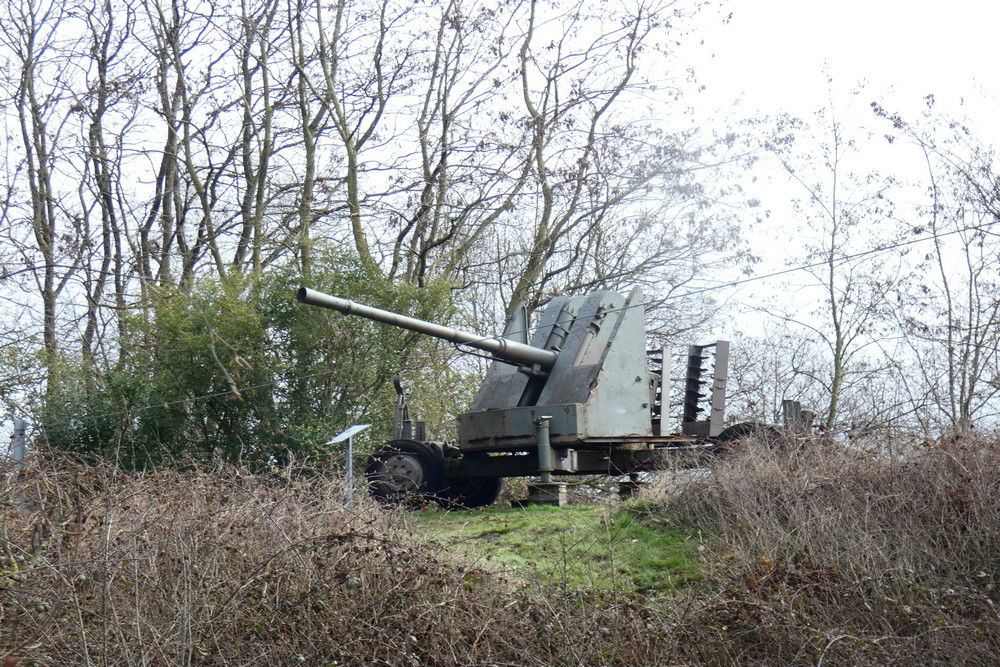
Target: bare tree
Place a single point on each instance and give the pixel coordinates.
(468, 177)
(951, 320)
(843, 212)
(258, 36)
(569, 89)
(42, 45)
(363, 66)
(108, 99)
(766, 370)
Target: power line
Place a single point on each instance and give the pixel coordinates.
(774, 274)
(840, 260)
(711, 288)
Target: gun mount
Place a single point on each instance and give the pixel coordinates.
(582, 396)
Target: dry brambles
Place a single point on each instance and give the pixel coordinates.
(813, 555)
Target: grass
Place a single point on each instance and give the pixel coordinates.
(584, 547)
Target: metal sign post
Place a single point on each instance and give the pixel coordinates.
(18, 445)
(348, 435)
(18, 451)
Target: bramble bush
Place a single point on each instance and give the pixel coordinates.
(811, 556)
(824, 554)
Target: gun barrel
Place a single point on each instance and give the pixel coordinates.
(502, 348)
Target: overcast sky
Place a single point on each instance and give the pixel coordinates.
(771, 53)
(773, 56)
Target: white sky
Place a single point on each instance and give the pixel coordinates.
(773, 57)
(772, 52)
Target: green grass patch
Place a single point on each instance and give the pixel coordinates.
(581, 546)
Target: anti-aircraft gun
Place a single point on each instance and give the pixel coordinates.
(583, 397)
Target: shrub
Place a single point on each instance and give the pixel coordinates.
(825, 554)
(812, 556)
(238, 369)
(213, 567)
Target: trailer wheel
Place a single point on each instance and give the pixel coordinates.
(733, 439)
(470, 492)
(405, 472)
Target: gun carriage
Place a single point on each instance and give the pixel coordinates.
(582, 396)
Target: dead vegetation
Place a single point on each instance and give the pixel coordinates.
(821, 554)
(218, 567)
(812, 556)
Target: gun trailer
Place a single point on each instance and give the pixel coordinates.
(582, 396)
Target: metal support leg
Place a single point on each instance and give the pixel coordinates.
(545, 491)
(349, 464)
(544, 449)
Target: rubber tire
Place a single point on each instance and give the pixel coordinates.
(470, 492)
(762, 432)
(431, 463)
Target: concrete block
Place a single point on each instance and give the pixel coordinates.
(546, 493)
